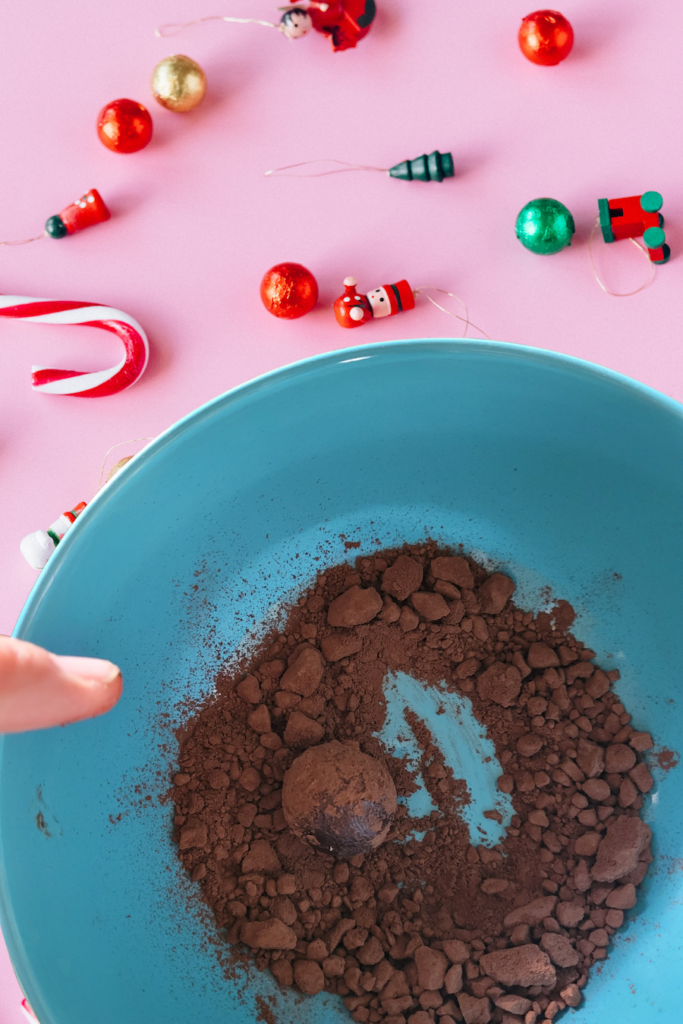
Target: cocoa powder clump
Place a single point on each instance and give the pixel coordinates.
(437, 928)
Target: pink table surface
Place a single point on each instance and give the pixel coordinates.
(195, 224)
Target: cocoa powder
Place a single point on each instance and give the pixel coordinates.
(439, 928)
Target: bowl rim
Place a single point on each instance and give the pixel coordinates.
(298, 369)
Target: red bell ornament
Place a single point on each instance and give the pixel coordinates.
(352, 309)
(546, 37)
(88, 210)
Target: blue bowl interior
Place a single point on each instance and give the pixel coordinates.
(564, 475)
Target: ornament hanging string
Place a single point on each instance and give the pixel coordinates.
(25, 241)
(173, 28)
(39, 546)
(88, 210)
(133, 440)
(280, 171)
(429, 167)
(619, 295)
(466, 319)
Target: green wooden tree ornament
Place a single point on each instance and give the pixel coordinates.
(434, 167)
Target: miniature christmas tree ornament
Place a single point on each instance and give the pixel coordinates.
(124, 126)
(178, 83)
(88, 210)
(545, 226)
(289, 290)
(433, 167)
(546, 37)
(84, 384)
(633, 217)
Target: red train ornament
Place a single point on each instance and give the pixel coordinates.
(352, 309)
(635, 216)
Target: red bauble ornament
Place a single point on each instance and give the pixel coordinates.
(546, 37)
(124, 126)
(289, 291)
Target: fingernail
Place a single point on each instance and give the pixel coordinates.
(90, 670)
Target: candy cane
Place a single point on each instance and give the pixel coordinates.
(77, 382)
(28, 1012)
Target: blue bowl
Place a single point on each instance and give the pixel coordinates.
(563, 474)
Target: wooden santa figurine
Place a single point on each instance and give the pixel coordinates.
(346, 22)
(352, 309)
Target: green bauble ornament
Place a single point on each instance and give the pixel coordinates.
(545, 226)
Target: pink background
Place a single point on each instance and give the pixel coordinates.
(195, 224)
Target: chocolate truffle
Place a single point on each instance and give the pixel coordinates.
(339, 799)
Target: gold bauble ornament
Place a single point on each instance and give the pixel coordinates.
(178, 83)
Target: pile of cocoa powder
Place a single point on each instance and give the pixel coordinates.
(438, 928)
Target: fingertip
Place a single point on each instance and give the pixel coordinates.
(113, 691)
(90, 670)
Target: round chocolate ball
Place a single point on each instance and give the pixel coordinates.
(339, 799)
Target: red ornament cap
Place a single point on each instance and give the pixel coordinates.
(352, 309)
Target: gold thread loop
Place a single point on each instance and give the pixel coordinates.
(619, 295)
(173, 28)
(25, 241)
(119, 445)
(277, 171)
(466, 319)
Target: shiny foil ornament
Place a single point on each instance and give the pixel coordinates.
(178, 83)
(289, 291)
(124, 126)
(546, 37)
(545, 226)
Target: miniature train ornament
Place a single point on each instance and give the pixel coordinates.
(635, 216)
(352, 309)
(346, 22)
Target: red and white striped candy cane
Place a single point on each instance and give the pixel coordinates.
(28, 1012)
(83, 384)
